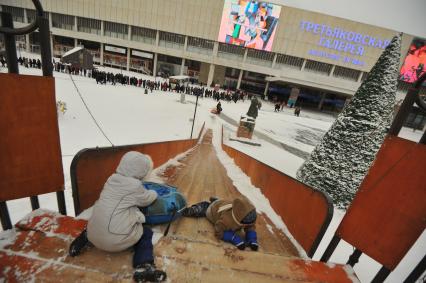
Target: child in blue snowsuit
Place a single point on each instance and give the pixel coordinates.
(229, 218)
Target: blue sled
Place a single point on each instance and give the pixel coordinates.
(169, 202)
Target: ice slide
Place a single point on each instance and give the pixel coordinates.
(190, 252)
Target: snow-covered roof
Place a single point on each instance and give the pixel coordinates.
(75, 49)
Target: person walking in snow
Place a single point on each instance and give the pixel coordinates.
(117, 222)
(218, 108)
(230, 218)
(297, 111)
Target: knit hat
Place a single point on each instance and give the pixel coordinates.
(250, 218)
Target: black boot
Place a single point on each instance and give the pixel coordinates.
(148, 273)
(78, 244)
(196, 210)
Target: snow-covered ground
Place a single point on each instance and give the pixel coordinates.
(124, 115)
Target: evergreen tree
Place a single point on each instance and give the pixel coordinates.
(340, 161)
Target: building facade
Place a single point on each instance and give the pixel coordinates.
(315, 59)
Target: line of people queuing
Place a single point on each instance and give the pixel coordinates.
(103, 77)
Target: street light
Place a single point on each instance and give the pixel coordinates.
(195, 112)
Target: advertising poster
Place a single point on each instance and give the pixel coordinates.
(415, 61)
(249, 23)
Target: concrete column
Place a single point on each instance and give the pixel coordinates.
(102, 28)
(323, 95)
(50, 20)
(27, 43)
(27, 36)
(51, 42)
(215, 48)
(182, 66)
(157, 38)
(360, 77)
(129, 33)
(185, 45)
(274, 61)
(240, 76)
(303, 65)
(211, 74)
(332, 70)
(245, 55)
(101, 59)
(265, 93)
(75, 23)
(75, 42)
(154, 69)
(294, 94)
(128, 59)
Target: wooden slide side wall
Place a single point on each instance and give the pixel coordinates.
(388, 213)
(306, 211)
(30, 151)
(90, 168)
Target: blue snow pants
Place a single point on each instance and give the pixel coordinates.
(144, 251)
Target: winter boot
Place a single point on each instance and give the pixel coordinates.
(148, 273)
(78, 244)
(196, 210)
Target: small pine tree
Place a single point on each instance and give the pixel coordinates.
(340, 161)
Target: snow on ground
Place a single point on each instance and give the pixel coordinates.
(128, 116)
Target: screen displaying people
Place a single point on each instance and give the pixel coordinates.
(249, 23)
(415, 61)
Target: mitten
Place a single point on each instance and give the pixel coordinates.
(231, 237)
(251, 240)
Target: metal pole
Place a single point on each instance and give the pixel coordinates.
(330, 249)
(46, 52)
(417, 271)
(195, 112)
(381, 275)
(403, 112)
(4, 216)
(34, 202)
(10, 44)
(61, 202)
(354, 258)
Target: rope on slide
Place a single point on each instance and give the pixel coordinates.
(88, 110)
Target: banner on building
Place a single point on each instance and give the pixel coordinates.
(415, 62)
(142, 54)
(249, 23)
(115, 49)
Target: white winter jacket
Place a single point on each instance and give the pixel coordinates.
(116, 222)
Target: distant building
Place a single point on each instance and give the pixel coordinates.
(274, 51)
(78, 57)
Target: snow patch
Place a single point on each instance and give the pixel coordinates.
(8, 237)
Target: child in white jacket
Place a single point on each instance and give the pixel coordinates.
(117, 223)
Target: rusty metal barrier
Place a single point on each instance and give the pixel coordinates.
(306, 212)
(91, 167)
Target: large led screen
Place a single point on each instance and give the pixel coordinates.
(415, 61)
(249, 23)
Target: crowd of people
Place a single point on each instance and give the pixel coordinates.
(103, 77)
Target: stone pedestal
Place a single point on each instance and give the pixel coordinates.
(246, 127)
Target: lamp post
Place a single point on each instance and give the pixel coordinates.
(195, 112)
